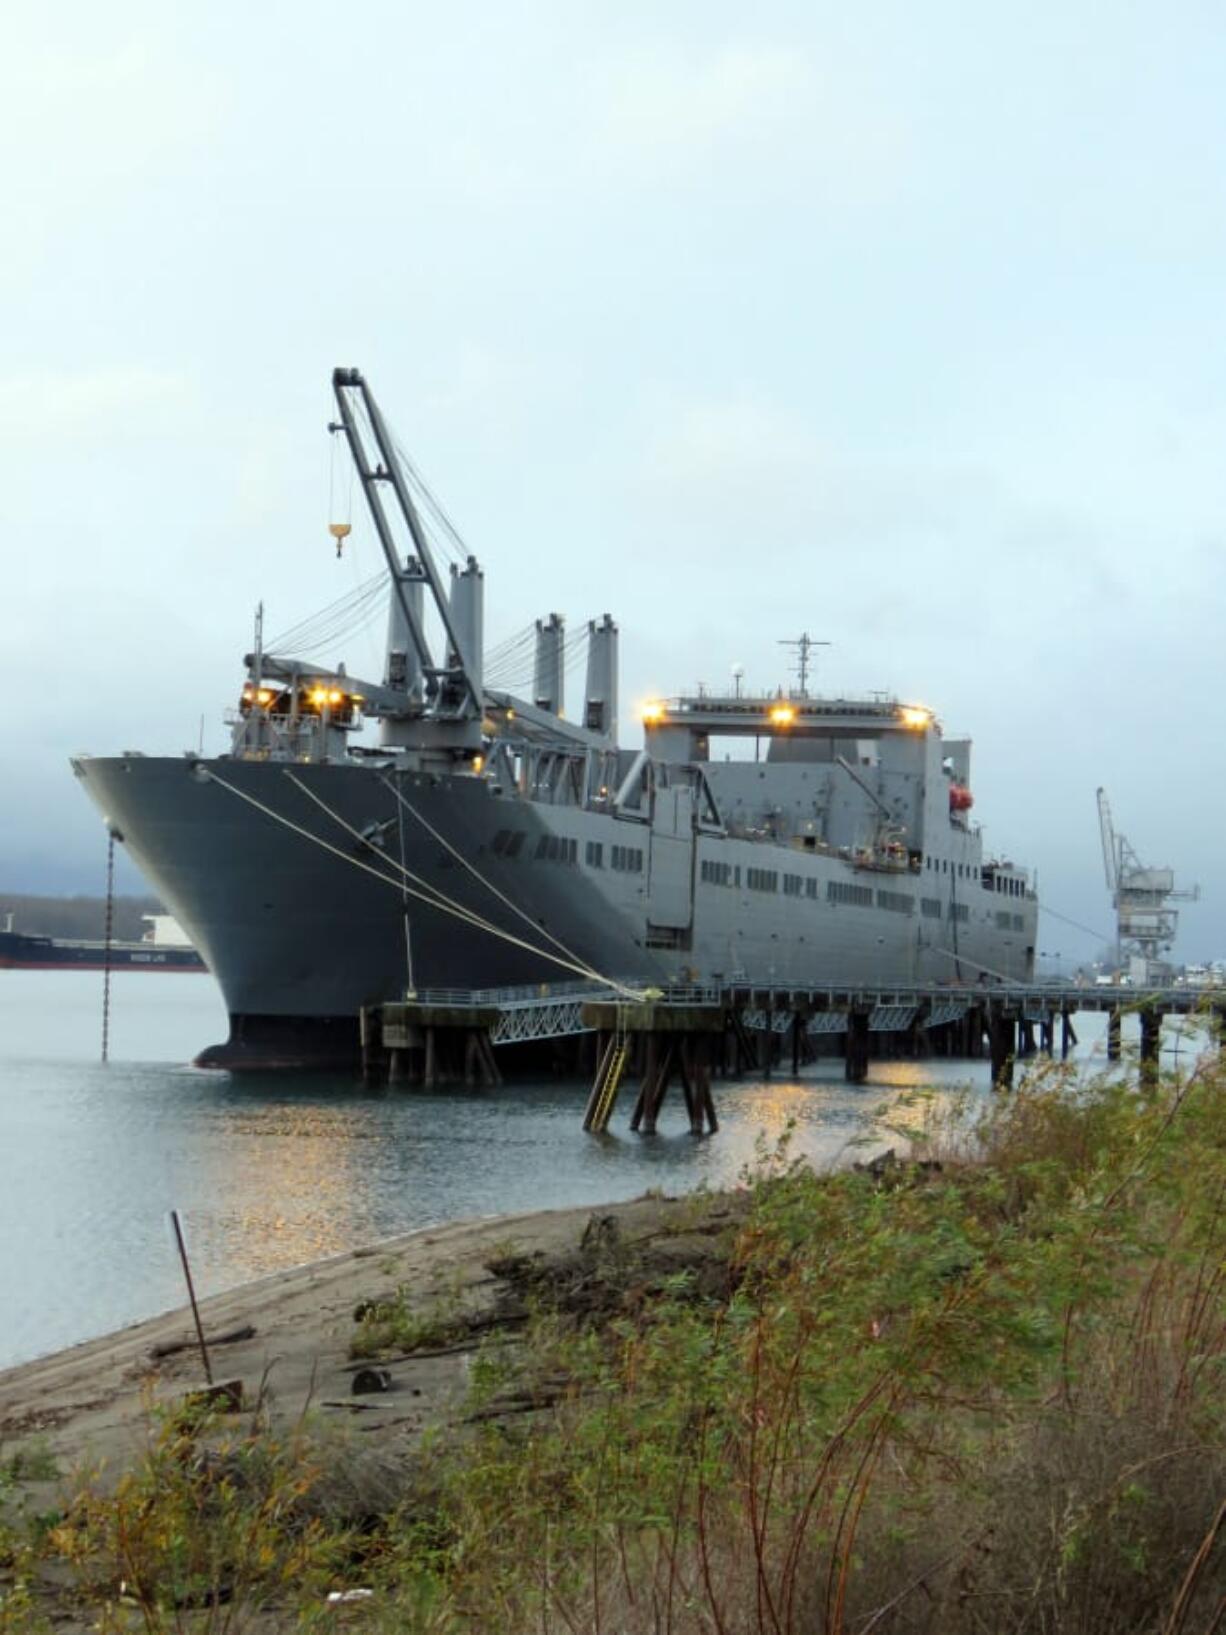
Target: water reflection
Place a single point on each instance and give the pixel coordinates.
(270, 1173)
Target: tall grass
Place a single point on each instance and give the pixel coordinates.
(982, 1394)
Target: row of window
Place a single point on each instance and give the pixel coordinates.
(942, 865)
(842, 891)
(629, 860)
(561, 849)
(896, 901)
(508, 842)
(967, 871)
(557, 849)
(1012, 888)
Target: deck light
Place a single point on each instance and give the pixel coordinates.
(652, 712)
(914, 715)
(782, 715)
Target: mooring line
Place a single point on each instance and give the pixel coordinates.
(489, 885)
(388, 880)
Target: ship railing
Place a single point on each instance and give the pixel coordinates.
(544, 993)
(524, 993)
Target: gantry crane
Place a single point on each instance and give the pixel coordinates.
(1145, 924)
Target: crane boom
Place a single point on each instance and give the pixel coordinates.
(453, 686)
(1110, 851)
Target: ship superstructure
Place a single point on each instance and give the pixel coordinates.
(487, 840)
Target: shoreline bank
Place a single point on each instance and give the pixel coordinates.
(91, 1402)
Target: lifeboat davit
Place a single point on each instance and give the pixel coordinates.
(960, 798)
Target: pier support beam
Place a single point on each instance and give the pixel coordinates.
(855, 1061)
(1114, 1030)
(679, 1040)
(766, 1045)
(1151, 1044)
(1067, 1036)
(1002, 1036)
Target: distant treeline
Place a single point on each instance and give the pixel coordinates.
(76, 916)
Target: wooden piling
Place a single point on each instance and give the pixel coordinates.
(1002, 1034)
(676, 1040)
(855, 1060)
(1151, 1044)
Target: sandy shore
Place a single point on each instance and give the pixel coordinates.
(90, 1404)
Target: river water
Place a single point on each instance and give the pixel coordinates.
(274, 1171)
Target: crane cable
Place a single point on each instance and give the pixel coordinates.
(443, 905)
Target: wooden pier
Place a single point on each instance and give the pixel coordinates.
(429, 1045)
(689, 1035)
(674, 1039)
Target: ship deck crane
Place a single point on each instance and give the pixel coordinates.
(453, 688)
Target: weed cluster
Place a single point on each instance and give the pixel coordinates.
(982, 1393)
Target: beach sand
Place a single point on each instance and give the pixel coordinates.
(91, 1405)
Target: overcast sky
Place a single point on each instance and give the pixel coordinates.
(902, 324)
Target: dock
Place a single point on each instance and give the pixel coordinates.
(689, 1034)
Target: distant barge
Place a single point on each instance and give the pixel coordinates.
(21, 952)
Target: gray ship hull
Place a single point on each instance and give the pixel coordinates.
(303, 923)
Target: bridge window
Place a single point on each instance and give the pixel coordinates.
(811, 888)
(791, 885)
(594, 854)
(930, 907)
(762, 880)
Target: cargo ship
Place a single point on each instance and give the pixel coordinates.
(485, 839)
(24, 951)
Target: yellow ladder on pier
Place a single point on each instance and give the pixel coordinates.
(608, 1081)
